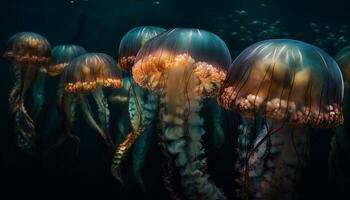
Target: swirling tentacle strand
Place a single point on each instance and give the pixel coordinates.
(149, 107)
(103, 112)
(274, 168)
(92, 123)
(218, 132)
(141, 121)
(24, 124)
(168, 170)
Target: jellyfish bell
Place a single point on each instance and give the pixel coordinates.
(180, 50)
(132, 41)
(285, 80)
(92, 70)
(184, 66)
(28, 48)
(62, 55)
(85, 75)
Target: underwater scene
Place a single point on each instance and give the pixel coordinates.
(175, 99)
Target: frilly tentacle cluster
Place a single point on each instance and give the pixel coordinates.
(282, 110)
(88, 86)
(150, 73)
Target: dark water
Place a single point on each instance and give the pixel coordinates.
(99, 27)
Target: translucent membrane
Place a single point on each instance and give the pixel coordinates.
(90, 70)
(286, 80)
(28, 47)
(62, 55)
(202, 53)
(132, 42)
(343, 60)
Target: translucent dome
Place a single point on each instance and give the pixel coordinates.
(132, 42)
(343, 60)
(28, 47)
(285, 80)
(203, 52)
(91, 70)
(62, 55)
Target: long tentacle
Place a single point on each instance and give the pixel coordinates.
(38, 95)
(24, 124)
(92, 123)
(168, 170)
(121, 97)
(141, 146)
(142, 114)
(103, 112)
(217, 116)
(274, 168)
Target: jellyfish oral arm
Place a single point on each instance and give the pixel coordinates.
(182, 128)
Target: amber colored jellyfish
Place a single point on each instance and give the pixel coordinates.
(87, 75)
(28, 52)
(184, 66)
(282, 88)
(340, 145)
(142, 104)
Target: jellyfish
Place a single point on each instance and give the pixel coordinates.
(340, 145)
(281, 88)
(184, 66)
(62, 55)
(87, 75)
(142, 105)
(28, 52)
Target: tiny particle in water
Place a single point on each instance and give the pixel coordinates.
(241, 12)
(71, 2)
(313, 25)
(156, 2)
(234, 33)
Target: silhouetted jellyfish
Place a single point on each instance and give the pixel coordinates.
(89, 74)
(131, 43)
(340, 145)
(184, 66)
(142, 105)
(281, 87)
(62, 55)
(27, 52)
